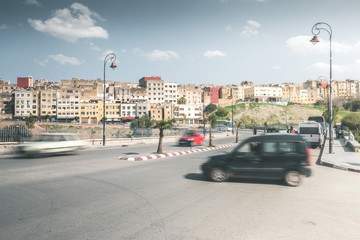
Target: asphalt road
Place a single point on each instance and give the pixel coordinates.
(93, 195)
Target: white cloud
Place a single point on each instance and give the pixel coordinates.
(42, 63)
(228, 28)
(137, 51)
(94, 47)
(33, 2)
(3, 27)
(276, 68)
(301, 45)
(64, 59)
(214, 53)
(324, 68)
(156, 55)
(105, 53)
(251, 28)
(71, 24)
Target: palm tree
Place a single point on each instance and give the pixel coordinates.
(210, 116)
(162, 125)
(212, 122)
(265, 126)
(238, 123)
(184, 117)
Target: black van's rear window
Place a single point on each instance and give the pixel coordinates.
(316, 119)
(308, 130)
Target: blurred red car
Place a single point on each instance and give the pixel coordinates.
(192, 138)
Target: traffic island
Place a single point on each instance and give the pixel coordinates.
(173, 154)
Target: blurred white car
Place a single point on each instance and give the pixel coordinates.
(51, 143)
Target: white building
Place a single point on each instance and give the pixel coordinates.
(170, 93)
(263, 93)
(26, 103)
(128, 111)
(68, 104)
(189, 113)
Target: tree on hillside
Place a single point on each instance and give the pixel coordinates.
(210, 108)
(181, 100)
(30, 121)
(320, 103)
(162, 125)
(335, 113)
(352, 122)
(222, 112)
(352, 106)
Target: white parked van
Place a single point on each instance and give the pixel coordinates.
(312, 131)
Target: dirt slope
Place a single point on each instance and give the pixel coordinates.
(273, 114)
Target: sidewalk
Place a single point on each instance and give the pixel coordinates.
(341, 158)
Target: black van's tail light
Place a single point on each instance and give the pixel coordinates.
(308, 156)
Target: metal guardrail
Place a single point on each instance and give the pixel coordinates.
(16, 133)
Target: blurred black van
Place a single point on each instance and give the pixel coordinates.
(275, 156)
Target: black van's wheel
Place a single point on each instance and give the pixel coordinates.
(218, 174)
(293, 178)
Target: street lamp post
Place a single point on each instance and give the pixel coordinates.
(110, 57)
(316, 29)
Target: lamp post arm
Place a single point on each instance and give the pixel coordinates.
(316, 29)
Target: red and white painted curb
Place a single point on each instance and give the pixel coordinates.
(174, 154)
(338, 166)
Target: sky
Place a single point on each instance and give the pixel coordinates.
(184, 41)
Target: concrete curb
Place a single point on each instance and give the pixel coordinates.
(173, 154)
(341, 166)
(338, 166)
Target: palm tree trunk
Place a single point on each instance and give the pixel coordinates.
(210, 137)
(159, 150)
(237, 135)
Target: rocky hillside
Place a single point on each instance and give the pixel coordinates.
(275, 114)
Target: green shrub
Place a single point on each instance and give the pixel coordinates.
(352, 121)
(222, 112)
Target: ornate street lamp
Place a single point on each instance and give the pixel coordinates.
(316, 29)
(110, 57)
